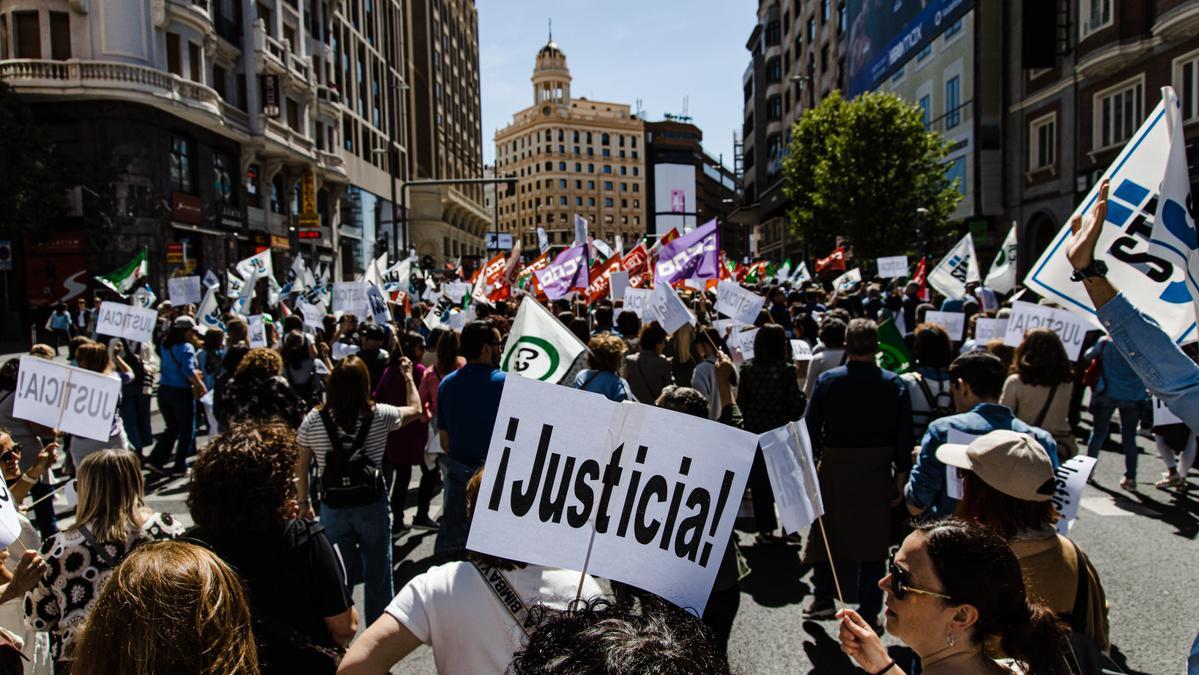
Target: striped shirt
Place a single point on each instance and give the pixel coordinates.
(312, 433)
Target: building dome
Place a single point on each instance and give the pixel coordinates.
(551, 76)
(550, 50)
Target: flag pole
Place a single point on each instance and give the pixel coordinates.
(824, 536)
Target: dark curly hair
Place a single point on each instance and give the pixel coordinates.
(596, 637)
(1041, 359)
(241, 484)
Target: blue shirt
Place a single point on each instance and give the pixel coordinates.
(468, 400)
(926, 484)
(1119, 382)
(609, 385)
(178, 365)
(1162, 366)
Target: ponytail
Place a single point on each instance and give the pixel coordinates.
(1038, 639)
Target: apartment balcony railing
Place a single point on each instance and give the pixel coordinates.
(278, 55)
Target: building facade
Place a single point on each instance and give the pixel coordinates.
(571, 156)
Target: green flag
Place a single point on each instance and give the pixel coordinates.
(124, 279)
(893, 354)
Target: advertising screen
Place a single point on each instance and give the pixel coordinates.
(883, 34)
(674, 197)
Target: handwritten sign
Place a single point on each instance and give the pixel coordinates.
(257, 331)
(127, 321)
(636, 299)
(184, 290)
(954, 323)
(668, 309)
(745, 342)
(801, 350)
(618, 282)
(986, 330)
(77, 401)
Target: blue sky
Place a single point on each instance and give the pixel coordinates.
(620, 51)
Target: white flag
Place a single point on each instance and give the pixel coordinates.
(958, 268)
(801, 274)
(543, 240)
(848, 280)
(374, 271)
(1002, 277)
(580, 230)
(211, 280)
(273, 291)
(208, 314)
(233, 284)
(1174, 238)
(299, 274)
(246, 296)
(539, 346)
(787, 452)
(259, 263)
(603, 247)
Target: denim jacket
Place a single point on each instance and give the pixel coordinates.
(1162, 366)
(926, 484)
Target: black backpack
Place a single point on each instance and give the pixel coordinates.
(350, 477)
(936, 409)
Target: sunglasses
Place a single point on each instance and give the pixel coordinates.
(900, 586)
(15, 450)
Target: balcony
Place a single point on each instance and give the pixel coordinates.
(278, 58)
(195, 13)
(292, 139)
(328, 101)
(330, 162)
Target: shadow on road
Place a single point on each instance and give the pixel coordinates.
(1174, 508)
(775, 573)
(403, 569)
(824, 651)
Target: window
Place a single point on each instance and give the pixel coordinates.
(193, 61)
(222, 178)
(636, 186)
(3, 36)
(605, 139)
(591, 202)
(926, 108)
(607, 185)
(956, 170)
(898, 75)
(252, 195)
(624, 187)
(606, 152)
(562, 200)
(624, 170)
(590, 168)
(607, 168)
(60, 36)
(773, 33)
(1186, 83)
(953, 116)
(1118, 113)
(561, 183)
(811, 29)
(174, 61)
(774, 108)
(774, 70)
(293, 114)
(1096, 14)
(844, 18)
(29, 35)
(1042, 142)
(182, 154)
(578, 167)
(953, 29)
(562, 166)
(825, 10)
(590, 185)
(218, 81)
(924, 52)
(608, 203)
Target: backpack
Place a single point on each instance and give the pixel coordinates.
(350, 477)
(1085, 656)
(937, 410)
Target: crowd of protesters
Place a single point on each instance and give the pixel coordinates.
(299, 493)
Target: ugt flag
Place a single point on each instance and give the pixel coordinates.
(566, 273)
(1173, 224)
(1154, 283)
(958, 268)
(539, 346)
(695, 255)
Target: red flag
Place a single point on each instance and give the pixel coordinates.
(601, 276)
(489, 280)
(527, 273)
(636, 262)
(834, 261)
(740, 272)
(920, 276)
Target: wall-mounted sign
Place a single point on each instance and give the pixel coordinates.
(187, 208)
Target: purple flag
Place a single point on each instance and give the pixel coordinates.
(566, 273)
(695, 255)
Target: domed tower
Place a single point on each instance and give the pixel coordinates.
(551, 77)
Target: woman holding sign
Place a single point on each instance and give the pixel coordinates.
(93, 356)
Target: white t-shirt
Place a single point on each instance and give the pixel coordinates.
(454, 611)
(313, 435)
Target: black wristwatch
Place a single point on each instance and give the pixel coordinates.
(1097, 269)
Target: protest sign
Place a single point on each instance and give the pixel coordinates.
(456, 320)
(665, 307)
(1071, 478)
(954, 323)
(455, 290)
(378, 305)
(986, 330)
(184, 290)
(1162, 415)
(344, 349)
(1070, 327)
(636, 299)
(787, 452)
(257, 331)
(893, 267)
(953, 477)
(801, 350)
(349, 297)
(314, 315)
(126, 321)
(744, 342)
(10, 523)
(538, 345)
(846, 282)
(629, 492)
(737, 303)
(74, 400)
(618, 281)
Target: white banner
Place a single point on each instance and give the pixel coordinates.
(257, 331)
(184, 290)
(314, 315)
(73, 400)
(631, 492)
(636, 300)
(986, 330)
(618, 283)
(665, 307)
(954, 323)
(787, 452)
(349, 297)
(1071, 478)
(127, 321)
(1070, 327)
(958, 268)
(737, 303)
(893, 267)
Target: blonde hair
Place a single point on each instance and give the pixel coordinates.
(260, 361)
(169, 607)
(111, 493)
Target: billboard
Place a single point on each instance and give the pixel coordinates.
(674, 197)
(883, 34)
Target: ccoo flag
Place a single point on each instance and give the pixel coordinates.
(566, 273)
(695, 255)
(958, 268)
(539, 346)
(1174, 237)
(1002, 277)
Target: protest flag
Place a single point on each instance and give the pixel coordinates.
(1002, 276)
(791, 468)
(539, 346)
(847, 281)
(801, 274)
(144, 297)
(567, 273)
(636, 263)
(920, 278)
(208, 314)
(956, 270)
(124, 279)
(695, 255)
(784, 271)
(835, 261)
(1174, 237)
(259, 263)
(600, 279)
(893, 353)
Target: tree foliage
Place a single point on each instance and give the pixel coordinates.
(860, 169)
(33, 171)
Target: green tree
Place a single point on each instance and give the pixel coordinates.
(33, 172)
(860, 169)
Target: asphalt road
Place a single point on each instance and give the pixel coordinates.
(1142, 544)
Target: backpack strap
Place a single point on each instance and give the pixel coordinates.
(928, 393)
(331, 430)
(364, 428)
(1048, 402)
(1078, 615)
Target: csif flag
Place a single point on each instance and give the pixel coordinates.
(695, 255)
(1002, 276)
(1174, 238)
(124, 279)
(893, 353)
(539, 346)
(956, 270)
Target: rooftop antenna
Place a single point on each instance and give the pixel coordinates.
(551, 26)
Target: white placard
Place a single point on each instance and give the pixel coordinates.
(10, 521)
(74, 400)
(801, 350)
(634, 493)
(1070, 327)
(745, 342)
(953, 478)
(456, 321)
(986, 330)
(314, 315)
(668, 309)
(893, 267)
(724, 327)
(127, 321)
(737, 303)
(349, 297)
(787, 452)
(636, 299)
(954, 323)
(184, 290)
(344, 349)
(1071, 478)
(618, 283)
(1162, 415)
(456, 290)
(378, 305)
(257, 331)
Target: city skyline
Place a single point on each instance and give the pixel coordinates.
(608, 46)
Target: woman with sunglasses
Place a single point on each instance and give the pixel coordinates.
(952, 590)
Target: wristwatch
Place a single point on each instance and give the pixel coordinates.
(1097, 269)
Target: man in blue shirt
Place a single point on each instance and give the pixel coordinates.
(467, 403)
(976, 381)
